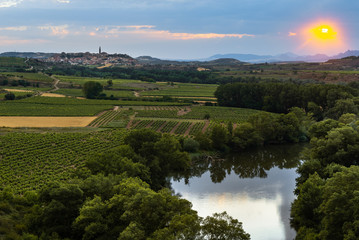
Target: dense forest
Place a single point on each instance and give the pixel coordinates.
(322, 100)
(327, 188)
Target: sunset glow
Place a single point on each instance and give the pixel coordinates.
(324, 32)
(323, 37)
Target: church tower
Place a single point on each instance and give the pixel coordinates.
(99, 50)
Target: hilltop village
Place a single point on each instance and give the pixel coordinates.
(87, 58)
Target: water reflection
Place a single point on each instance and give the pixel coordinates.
(256, 187)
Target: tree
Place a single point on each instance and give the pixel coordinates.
(10, 96)
(219, 137)
(246, 136)
(137, 212)
(92, 89)
(221, 226)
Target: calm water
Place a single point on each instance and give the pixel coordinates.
(255, 187)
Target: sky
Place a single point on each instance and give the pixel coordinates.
(180, 29)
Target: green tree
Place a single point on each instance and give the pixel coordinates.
(92, 89)
(58, 207)
(245, 136)
(221, 226)
(137, 212)
(9, 96)
(219, 137)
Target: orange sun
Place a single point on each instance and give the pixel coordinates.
(322, 37)
(324, 32)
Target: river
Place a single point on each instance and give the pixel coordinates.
(255, 187)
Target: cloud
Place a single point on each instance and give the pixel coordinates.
(61, 30)
(7, 41)
(150, 32)
(9, 3)
(291, 34)
(19, 28)
(63, 1)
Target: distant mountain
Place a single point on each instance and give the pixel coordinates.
(348, 53)
(286, 57)
(218, 59)
(156, 61)
(37, 55)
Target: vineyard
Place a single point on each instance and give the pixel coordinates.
(179, 127)
(48, 106)
(122, 84)
(31, 160)
(12, 62)
(218, 114)
(104, 119)
(184, 90)
(38, 77)
(76, 92)
(17, 108)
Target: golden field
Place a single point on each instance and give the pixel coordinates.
(45, 121)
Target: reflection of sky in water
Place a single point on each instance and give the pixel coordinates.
(262, 204)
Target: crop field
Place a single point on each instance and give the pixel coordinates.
(123, 84)
(12, 62)
(18, 90)
(52, 95)
(46, 122)
(32, 160)
(173, 126)
(184, 90)
(17, 94)
(75, 92)
(38, 77)
(219, 114)
(28, 88)
(74, 101)
(104, 119)
(18, 108)
(50, 106)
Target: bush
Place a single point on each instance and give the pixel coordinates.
(92, 89)
(190, 145)
(10, 96)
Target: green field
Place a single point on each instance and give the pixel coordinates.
(74, 92)
(38, 77)
(123, 84)
(48, 106)
(219, 114)
(32, 160)
(184, 90)
(12, 62)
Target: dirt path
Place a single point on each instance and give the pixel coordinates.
(137, 94)
(56, 81)
(131, 120)
(54, 86)
(184, 111)
(206, 125)
(189, 129)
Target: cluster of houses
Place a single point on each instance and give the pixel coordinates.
(96, 59)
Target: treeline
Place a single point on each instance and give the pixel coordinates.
(150, 75)
(261, 129)
(320, 99)
(120, 194)
(187, 75)
(327, 204)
